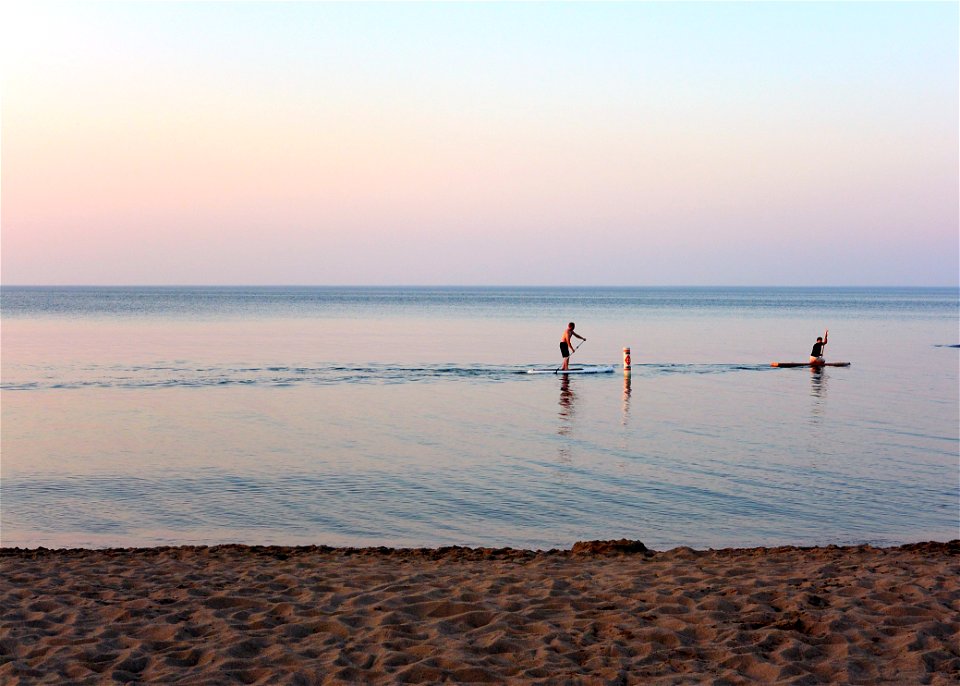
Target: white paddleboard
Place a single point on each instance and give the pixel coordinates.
(586, 369)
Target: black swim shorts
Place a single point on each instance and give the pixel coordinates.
(564, 350)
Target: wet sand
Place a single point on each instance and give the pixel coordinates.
(611, 613)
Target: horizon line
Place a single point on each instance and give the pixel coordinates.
(454, 285)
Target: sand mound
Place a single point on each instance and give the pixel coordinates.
(620, 547)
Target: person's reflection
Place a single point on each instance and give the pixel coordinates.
(818, 391)
(567, 399)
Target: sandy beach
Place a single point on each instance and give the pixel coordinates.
(600, 613)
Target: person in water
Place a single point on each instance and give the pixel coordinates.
(566, 344)
(816, 355)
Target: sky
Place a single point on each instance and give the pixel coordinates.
(480, 143)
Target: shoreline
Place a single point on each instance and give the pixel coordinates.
(600, 612)
(597, 548)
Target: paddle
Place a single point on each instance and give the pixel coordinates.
(557, 370)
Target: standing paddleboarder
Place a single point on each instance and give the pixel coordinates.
(566, 344)
(816, 355)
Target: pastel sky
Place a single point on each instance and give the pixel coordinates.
(489, 143)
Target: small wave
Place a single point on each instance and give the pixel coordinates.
(185, 376)
(155, 376)
(701, 368)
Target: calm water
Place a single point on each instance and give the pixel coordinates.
(402, 416)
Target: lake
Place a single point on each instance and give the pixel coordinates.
(405, 416)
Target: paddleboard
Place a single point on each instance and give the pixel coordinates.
(809, 364)
(590, 369)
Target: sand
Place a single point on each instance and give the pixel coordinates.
(600, 614)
